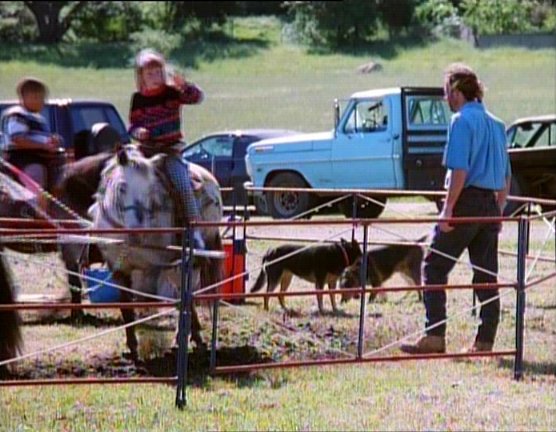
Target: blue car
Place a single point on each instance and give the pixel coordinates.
(223, 154)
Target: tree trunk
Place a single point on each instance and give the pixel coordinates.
(48, 17)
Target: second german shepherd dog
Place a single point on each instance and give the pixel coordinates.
(382, 263)
(321, 264)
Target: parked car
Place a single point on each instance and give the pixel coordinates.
(223, 154)
(532, 147)
(73, 119)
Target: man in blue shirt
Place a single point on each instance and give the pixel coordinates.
(478, 181)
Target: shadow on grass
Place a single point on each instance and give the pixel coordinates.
(199, 365)
(82, 321)
(121, 366)
(531, 368)
(217, 47)
(385, 48)
(121, 55)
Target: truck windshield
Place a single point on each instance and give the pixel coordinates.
(368, 116)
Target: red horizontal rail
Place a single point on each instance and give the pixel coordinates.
(389, 192)
(355, 360)
(354, 222)
(223, 296)
(127, 305)
(72, 381)
(529, 257)
(540, 280)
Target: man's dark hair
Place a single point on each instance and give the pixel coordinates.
(31, 85)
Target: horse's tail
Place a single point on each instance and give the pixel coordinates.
(10, 334)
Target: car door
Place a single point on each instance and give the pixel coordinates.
(362, 154)
(215, 153)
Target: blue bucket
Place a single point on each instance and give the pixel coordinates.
(100, 292)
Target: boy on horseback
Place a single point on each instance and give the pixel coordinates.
(155, 122)
(28, 143)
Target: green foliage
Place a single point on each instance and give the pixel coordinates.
(159, 40)
(397, 14)
(180, 13)
(16, 22)
(438, 17)
(334, 24)
(497, 16)
(108, 21)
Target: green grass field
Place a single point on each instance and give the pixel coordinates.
(264, 83)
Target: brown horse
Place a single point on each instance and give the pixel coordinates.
(75, 190)
(10, 336)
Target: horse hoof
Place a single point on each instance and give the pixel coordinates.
(201, 347)
(77, 317)
(133, 356)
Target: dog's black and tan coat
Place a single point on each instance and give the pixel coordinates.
(321, 264)
(383, 263)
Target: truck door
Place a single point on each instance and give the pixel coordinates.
(363, 152)
(426, 119)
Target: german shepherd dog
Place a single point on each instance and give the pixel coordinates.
(319, 264)
(382, 264)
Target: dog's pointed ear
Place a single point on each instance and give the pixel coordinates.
(355, 245)
(123, 158)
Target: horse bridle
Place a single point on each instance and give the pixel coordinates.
(345, 254)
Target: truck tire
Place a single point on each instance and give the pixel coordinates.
(285, 205)
(514, 208)
(365, 209)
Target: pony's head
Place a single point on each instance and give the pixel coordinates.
(128, 194)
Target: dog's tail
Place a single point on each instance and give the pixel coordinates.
(260, 282)
(261, 279)
(422, 239)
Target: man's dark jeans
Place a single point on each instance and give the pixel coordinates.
(481, 240)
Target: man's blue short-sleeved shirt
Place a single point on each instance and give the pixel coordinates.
(477, 144)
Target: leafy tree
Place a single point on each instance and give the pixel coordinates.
(439, 17)
(108, 21)
(249, 8)
(16, 22)
(397, 14)
(54, 18)
(179, 13)
(335, 24)
(498, 16)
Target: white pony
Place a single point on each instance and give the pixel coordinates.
(134, 193)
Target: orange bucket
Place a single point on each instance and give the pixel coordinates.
(234, 264)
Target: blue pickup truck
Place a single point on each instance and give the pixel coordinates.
(391, 139)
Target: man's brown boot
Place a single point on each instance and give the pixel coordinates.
(426, 345)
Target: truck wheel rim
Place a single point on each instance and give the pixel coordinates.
(288, 202)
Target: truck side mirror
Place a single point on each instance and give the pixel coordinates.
(336, 115)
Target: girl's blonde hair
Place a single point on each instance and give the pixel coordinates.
(143, 58)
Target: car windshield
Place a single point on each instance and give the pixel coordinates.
(527, 134)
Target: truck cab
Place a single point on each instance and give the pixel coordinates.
(389, 139)
(74, 119)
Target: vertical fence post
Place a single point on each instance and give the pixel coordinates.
(353, 214)
(184, 323)
(214, 336)
(363, 285)
(522, 246)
